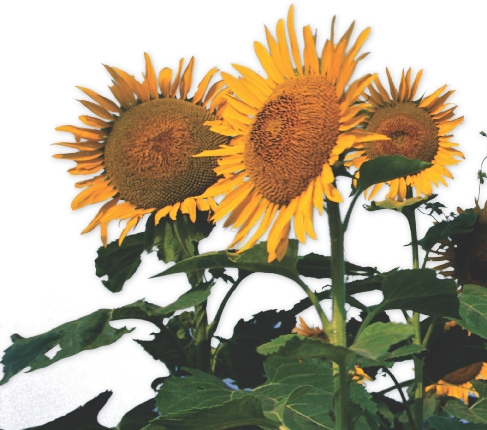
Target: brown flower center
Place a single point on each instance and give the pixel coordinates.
(292, 137)
(471, 256)
(148, 155)
(464, 374)
(413, 132)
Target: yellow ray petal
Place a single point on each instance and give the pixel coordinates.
(130, 224)
(105, 103)
(165, 76)
(203, 85)
(97, 109)
(93, 122)
(431, 98)
(176, 82)
(186, 80)
(189, 207)
(294, 41)
(150, 77)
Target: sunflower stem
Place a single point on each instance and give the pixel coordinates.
(403, 397)
(418, 363)
(339, 336)
(203, 345)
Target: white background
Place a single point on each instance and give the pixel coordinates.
(48, 275)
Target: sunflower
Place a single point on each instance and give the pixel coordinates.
(457, 383)
(466, 254)
(143, 147)
(288, 130)
(417, 129)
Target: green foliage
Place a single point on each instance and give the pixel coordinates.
(421, 291)
(444, 423)
(89, 332)
(376, 340)
(319, 266)
(298, 393)
(477, 413)
(382, 169)
(473, 309)
(85, 417)
(174, 240)
(119, 263)
(201, 401)
(252, 260)
(459, 225)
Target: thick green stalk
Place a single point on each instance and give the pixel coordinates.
(418, 363)
(339, 336)
(203, 345)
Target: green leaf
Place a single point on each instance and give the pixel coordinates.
(119, 263)
(473, 309)
(400, 354)
(444, 423)
(461, 224)
(138, 417)
(252, 260)
(297, 346)
(86, 333)
(237, 357)
(178, 239)
(298, 393)
(382, 169)
(201, 401)
(319, 266)
(475, 414)
(82, 418)
(377, 338)
(421, 291)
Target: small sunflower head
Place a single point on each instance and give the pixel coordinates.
(416, 129)
(466, 253)
(143, 147)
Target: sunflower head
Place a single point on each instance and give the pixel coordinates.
(142, 147)
(417, 129)
(288, 130)
(466, 254)
(456, 383)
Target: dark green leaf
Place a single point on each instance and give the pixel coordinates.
(300, 393)
(82, 418)
(319, 266)
(473, 309)
(237, 357)
(421, 291)
(89, 332)
(252, 260)
(382, 169)
(86, 333)
(138, 417)
(475, 414)
(377, 338)
(119, 263)
(461, 224)
(444, 423)
(294, 345)
(402, 353)
(200, 401)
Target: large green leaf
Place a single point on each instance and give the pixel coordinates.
(82, 418)
(461, 224)
(89, 332)
(375, 341)
(86, 333)
(473, 309)
(382, 169)
(297, 346)
(299, 393)
(201, 401)
(476, 414)
(252, 260)
(237, 357)
(119, 263)
(319, 266)
(421, 291)
(86, 417)
(363, 410)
